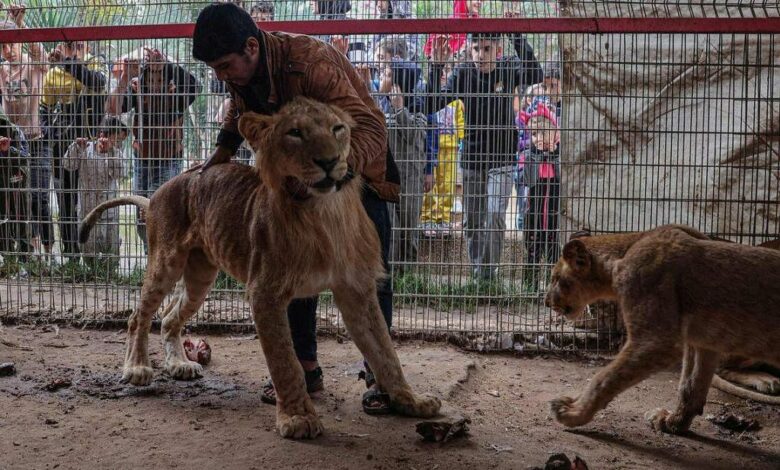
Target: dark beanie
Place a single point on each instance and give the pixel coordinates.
(221, 29)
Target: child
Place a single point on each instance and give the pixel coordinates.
(406, 127)
(14, 194)
(436, 215)
(541, 174)
(100, 168)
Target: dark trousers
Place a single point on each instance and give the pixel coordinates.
(541, 222)
(302, 313)
(40, 179)
(66, 186)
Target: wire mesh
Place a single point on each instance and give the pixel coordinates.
(650, 129)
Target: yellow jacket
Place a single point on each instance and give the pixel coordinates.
(451, 122)
(60, 86)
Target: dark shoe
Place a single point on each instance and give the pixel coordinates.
(314, 383)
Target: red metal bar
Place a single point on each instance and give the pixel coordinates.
(498, 25)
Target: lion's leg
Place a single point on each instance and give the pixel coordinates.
(162, 272)
(199, 275)
(295, 414)
(698, 368)
(635, 362)
(364, 321)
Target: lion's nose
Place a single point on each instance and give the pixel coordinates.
(326, 164)
(547, 301)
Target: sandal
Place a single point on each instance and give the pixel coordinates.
(314, 383)
(374, 401)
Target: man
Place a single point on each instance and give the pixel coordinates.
(71, 107)
(160, 95)
(263, 71)
(21, 80)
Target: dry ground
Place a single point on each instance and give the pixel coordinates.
(219, 421)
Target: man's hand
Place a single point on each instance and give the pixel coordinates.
(220, 155)
(341, 43)
(5, 144)
(428, 183)
(364, 71)
(396, 98)
(56, 55)
(16, 12)
(441, 49)
(154, 58)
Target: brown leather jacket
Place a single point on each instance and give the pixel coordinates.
(299, 65)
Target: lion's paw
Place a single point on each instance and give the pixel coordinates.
(662, 420)
(307, 426)
(766, 383)
(417, 406)
(137, 375)
(184, 370)
(566, 412)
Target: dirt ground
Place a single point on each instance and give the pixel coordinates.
(219, 421)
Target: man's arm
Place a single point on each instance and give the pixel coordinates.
(529, 71)
(92, 79)
(330, 83)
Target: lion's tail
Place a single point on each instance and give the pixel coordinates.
(92, 218)
(728, 387)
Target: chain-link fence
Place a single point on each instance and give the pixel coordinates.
(506, 144)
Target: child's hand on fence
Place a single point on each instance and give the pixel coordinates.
(5, 144)
(81, 142)
(428, 183)
(103, 145)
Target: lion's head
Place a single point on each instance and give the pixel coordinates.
(302, 148)
(576, 281)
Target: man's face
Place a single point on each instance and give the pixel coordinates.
(484, 53)
(474, 6)
(12, 51)
(238, 69)
(259, 16)
(381, 6)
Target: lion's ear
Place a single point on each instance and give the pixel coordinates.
(344, 116)
(252, 125)
(576, 255)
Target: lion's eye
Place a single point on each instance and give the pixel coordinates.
(339, 128)
(295, 132)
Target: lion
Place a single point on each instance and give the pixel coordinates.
(292, 227)
(739, 376)
(678, 291)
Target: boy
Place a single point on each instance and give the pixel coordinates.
(485, 85)
(100, 168)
